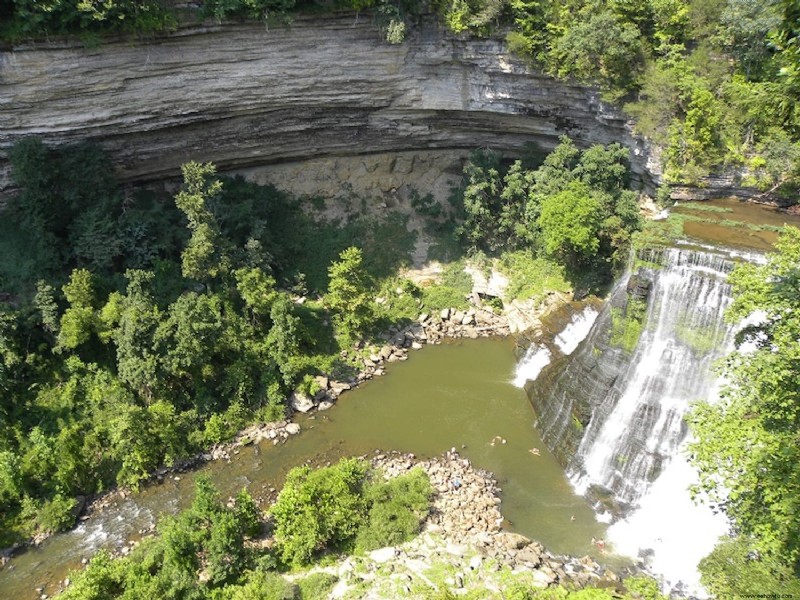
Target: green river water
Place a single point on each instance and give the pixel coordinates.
(457, 394)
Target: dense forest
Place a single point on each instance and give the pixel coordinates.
(139, 329)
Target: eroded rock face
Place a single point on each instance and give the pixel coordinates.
(243, 96)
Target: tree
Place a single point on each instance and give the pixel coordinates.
(283, 339)
(77, 322)
(45, 303)
(746, 24)
(570, 222)
(137, 357)
(747, 446)
(603, 48)
(204, 258)
(481, 198)
(257, 289)
(187, 339)
(319, 508)
(734, 570)
(348, 295)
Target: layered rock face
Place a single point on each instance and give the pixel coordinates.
(243, 96)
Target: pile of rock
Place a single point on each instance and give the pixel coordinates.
(472, 323)
(465, 512)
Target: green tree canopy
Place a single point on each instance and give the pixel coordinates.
(348, 295)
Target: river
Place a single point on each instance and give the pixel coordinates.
(459, 394)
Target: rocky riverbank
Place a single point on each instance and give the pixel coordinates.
(450, 323)
(465, 530)
(399, 342)
(463, 545)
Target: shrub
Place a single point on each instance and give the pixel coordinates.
(317, 586)
(398, 507)
(57, 514)
(262, 586)
(318, 509)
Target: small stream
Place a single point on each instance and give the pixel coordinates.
(459, 394)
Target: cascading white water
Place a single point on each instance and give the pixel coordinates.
(538, 356)
(577, 330)
(638, 427)
(675, 530)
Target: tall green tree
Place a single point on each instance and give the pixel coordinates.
(78, 321)
(348, 295)
(205, 257)
(570, 222)
(138, 319)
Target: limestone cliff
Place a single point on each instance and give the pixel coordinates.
(244, 96)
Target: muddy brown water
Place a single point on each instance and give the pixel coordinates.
(458, 394)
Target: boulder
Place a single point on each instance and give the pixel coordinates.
(293, 429)
(383, 555)
(301, 402)
(530, 554)
(514, 541)
(340, 386)
(543, 579)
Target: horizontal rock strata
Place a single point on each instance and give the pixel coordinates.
(244, 96)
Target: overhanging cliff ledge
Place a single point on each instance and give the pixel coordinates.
(244, 96)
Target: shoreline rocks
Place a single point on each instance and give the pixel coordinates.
(398, 343)
(463, 532)
(465, 514)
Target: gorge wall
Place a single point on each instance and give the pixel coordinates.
(243, 96)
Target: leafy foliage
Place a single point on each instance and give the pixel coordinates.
(713, 82)
(348, 295)
(319, 509)
(575, 207)
(747, 443)
(162, 342)
(398, 507)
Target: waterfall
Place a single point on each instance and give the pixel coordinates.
(613, 411)
(638, 426)
(536, 358)
(577, 330)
